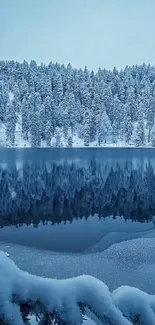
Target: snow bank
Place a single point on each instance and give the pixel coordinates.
(63, 297)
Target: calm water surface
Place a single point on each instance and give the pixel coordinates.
(69, 199)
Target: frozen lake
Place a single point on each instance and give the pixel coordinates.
(69, 200)
(126, 263)
(66, 212)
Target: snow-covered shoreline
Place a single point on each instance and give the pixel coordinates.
(112, 146)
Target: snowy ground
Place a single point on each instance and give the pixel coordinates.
(126, 263)
(77, 142)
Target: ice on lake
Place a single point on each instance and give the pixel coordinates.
(130, 262)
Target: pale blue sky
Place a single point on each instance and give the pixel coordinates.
(95, 33)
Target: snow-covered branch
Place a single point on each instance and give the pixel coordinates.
(65, 301)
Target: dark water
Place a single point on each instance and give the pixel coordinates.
(85, 189)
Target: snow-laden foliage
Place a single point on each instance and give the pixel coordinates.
(65, 301)
(55, 105)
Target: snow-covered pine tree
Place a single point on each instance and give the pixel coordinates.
(3, 100)
(47, 87)
(10, 120)
(153, 136)
(49, 113)
(104, 128)
(70, 138)
(150, 115)
(23, 89)
(79, 112)
(87, 128)
(127, 123)
(79, 119)
(48, 133)
(85, 95)
(38, 101)
(115, 131)
(97, 105)
(67, 74)
(140, 129)
(57, 137)
(131, 101)
(25, 118)
(68, 111)
(16, 98)
(121, 93)
(35, 129)
(107, 98)
(43, 121)
(57, 88)
(71, 111)
(117, 116)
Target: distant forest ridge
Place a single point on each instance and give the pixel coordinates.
(57, 105)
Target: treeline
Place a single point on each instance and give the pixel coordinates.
(57, 102)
